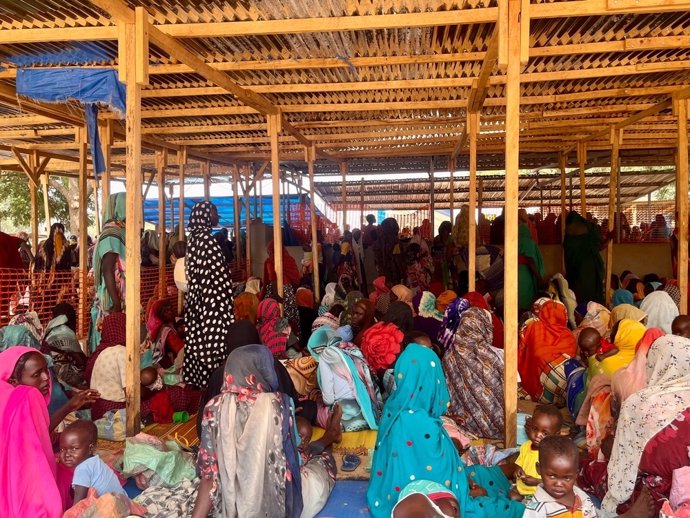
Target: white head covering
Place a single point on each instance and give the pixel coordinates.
(660, 309)
(329, 297)
(253, 285)
(647, 412)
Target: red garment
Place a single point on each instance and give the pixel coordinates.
(9, 252)
(291, 273)
(604, 346)
(381, 345)
(544, 341)
(478, 301)
(161, 407)
(114, 332)
(174, 343)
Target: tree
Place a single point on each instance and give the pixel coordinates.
(667, 192)
(63, 201)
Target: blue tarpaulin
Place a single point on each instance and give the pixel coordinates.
(226, 209)
(88, 86)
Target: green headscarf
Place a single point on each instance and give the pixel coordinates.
(115, 208)
(413, 445)
(527, 284)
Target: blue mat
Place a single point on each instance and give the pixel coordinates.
(348, 500)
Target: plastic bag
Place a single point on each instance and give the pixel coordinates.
(154, 463)
(112, 425)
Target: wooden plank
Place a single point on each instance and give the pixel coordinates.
(451, 185)
(343, 198)
(46, 201)
(681, 110)
(182, 157)
(562, 161)
(273, 131)
(248, 230)
(310, 157)
(473, 125)
(141, 42)
(161, 162)
(582, 162)
(207, 180)
(479, 85)
(83, 232)
(133, 225)
(33, 191)
(106, 134)
(236, 208)
(615, 143)
(512, 165)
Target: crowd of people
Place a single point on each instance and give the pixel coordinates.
(397, 345)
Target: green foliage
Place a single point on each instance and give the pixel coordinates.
(665, 193)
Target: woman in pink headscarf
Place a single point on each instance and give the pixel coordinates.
(27, 464)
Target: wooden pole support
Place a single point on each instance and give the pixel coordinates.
(613, 187)
(512, 164)
(582, 162)
(248, 225)
(432, 209)
(83, 232)
(236, 209)
(33, 190)
(274, 122)
(451, 186)
(311, 155)
(681, 109)
(343, 192)
(161, 162)
(46, 205)
(205, 167)
(473, 125)
(181, 166)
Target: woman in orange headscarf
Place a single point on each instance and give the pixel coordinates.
(545, 347)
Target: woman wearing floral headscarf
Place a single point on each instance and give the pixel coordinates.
(451, 321)
(209, 299)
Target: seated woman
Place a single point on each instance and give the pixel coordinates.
(478, 301)
(165, 342)
(660, 309)
(60, 342)
(653, 433)
(248, 458)
(413, 445)
(627, 311)
(546, 346)
(330, 318)
(362, 319)
(475, 370)
(246, 306)
(345, 378)
(274, 330)
(625, 336)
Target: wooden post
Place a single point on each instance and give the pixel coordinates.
(361, 204)
(181, 165)
(172, 210)
(248, 225)
(343, 192)
(83, 232)
(97, 211)
(473, 125)
(33, 190)
(480, 196)
(562, 161)
(205, 168)
(615, 140)
(311, 155)
(46, 205)
(261, 198)
(681, 108)
(133, 222)
(582, 161)
(451, 185)
(512, 164)
(161, 162)
(433, 196)
(236, 209)
(274, 127)
(106, 143)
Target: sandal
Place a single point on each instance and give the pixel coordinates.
(350, 462)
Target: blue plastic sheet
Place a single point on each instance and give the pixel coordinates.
(88, 86)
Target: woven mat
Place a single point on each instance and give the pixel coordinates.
(184, 433)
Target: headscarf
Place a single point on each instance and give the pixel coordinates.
(527, 247)
(626, 311)
(629, 333)
(400, 314)
(444, 299)
(291, 273)
(367, 321)
(326, 319)
(350, 300)
(403, 294)
(112, 237)
(253, 285)
(428, 319)
(11, 336)
(209, 301)
(305, 297)
(461, 232)
(432, 491)
(26, 453)
(621, 296)
(329, 296)
(248, 442)
(246, 305)
(114, 332)
(544, 341)
(273, 329)
(478, 301)
(646, 413)
(674, 292)
(597, 317)
(475, 370)
(660, 309)
(381, 345)
(632, 378)
(31, 322)
(451, 321)
(413, 445)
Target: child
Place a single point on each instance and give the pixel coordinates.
(681, 326)
(77, 444)
(304, 430)
(557, 496)
(545, 421)
(592, 344)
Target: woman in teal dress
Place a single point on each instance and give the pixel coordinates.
(412, 445)
(530, 268)
(109, 266)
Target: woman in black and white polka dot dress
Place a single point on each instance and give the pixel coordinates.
(209, 298)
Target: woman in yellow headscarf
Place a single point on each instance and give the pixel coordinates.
(625, 335)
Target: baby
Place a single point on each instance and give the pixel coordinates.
(592, 344)
(681, 326)
(77, 444)
(558, 497)
(545, 421)
(304, 430)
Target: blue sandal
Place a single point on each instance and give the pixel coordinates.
(350, 462)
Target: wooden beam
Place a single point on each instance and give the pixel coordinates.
(133, 225)
(613, 187)
(182, 158)
(310, 156)
(161, 162)
(512, 165)
(274, 122)
(33, 192)
(479, 85)
(562, 161)
(343, 200)
(582, 162)
(84, 313)
(451, 185)
(473, 125)
(236, 208)
(248, 228)
(680, 107)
